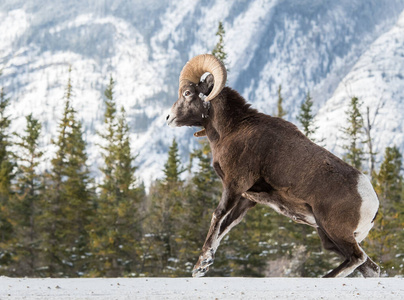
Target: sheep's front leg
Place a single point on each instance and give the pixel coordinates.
(227, 215)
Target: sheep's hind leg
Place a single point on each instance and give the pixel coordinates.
(368, 269)
(353, 254)
(234, 217)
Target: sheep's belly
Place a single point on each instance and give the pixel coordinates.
(298, 212)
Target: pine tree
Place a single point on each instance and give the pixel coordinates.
(28, 193)
(383, 242)
(116, 231)
(6, 176)
(218, 50)
(250, 245)
(352, 133)
(306, 117)
(165, 212)
(369, 142)
(202, 195)
(281, 112)
(109, 137)
(172, 169)
(125, 170)
(52, 222)
(69, 207)
(6, 164)
(79, 200)
(399, 207)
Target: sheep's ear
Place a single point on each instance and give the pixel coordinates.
(210, 81)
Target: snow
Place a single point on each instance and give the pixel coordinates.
(202, 288)
(303, 45)
(377, 80)
(12, 26)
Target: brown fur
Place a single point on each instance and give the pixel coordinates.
(267, 160)
(248, 146)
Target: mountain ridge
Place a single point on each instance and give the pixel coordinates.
(304, 46)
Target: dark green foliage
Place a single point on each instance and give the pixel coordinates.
(6, 175)
(389, 178)
(311, 259)
(166, 210)
(219, 51)
(172, 169)
(26, 202)
(353, 134)
(69, 204)
(250, 246)
(115, 230)
(385, 239)
(6, 165)
(306, 117)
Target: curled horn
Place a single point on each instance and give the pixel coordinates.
(199, 65)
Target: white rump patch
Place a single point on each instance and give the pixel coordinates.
(369, 207)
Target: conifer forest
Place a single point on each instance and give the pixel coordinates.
(61, 222)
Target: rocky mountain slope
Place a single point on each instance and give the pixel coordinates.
(325, 47)
(377, 79)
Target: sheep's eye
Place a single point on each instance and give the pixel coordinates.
(187, 93)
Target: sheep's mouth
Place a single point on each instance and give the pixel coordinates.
(171, 122)
(179, 122)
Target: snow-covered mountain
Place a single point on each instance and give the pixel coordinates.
(334, 49)
(377, 79)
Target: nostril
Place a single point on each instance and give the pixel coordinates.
(167, 117)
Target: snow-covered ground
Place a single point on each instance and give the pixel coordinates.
(202, 288)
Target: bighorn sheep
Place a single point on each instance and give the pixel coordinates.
(267, 160)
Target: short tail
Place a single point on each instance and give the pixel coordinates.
(374, 218)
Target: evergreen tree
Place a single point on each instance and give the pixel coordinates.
(399, 207)
(109, 137)
(6, 164)
(218, 50)
(352, 133)
(172, 169)
(250, 245)
(69, 205)
(125, 170)
(165, 213)
(28, 193)
(306, 117)
(281, 112)
(383, 242)
(116, 232)
(202, 195)
(6, 175)
(79, 201)
(369, 142)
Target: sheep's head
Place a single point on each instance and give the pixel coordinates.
(194, 94)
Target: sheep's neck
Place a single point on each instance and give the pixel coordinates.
(223, 119)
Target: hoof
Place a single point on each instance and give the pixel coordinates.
(202, 266)
(207, 262)
(199, 272)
